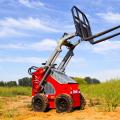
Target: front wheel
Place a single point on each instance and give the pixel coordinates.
(64, 103)
(39, 103)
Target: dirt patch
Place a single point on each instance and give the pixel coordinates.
(18, 108)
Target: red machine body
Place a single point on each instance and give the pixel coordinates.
(71, 89)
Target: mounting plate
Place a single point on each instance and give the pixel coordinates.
(81, 23)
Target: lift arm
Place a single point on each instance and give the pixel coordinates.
(67, 57)
(50, 63)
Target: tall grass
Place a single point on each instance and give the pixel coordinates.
(108, 93)
(14, 91)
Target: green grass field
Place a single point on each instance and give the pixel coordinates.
(107, 94)
(14, 91)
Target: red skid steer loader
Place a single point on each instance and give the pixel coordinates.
(51, 87)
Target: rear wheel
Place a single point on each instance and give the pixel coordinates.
(64, 103)
(82, 102)
(39, 103)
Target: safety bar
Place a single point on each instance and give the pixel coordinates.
(32, 68)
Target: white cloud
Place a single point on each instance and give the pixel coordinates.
(106, 74)
(10, 26)
(26, 24)
(102, 75)
(7, 32)
(32, 3)
(43, 45)
(46, 44)
(78, 61)
(101, 48)
(49, 44)
(23, 59)
(106, 47)
(37, 60)
(110, 17)
(15, 27)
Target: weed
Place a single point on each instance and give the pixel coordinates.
(11, 113)
(14, 91)
(108, 94)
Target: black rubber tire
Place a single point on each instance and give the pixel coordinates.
(40, 103)
(64, 103)
(82, 102)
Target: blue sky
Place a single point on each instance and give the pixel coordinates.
(30, 29)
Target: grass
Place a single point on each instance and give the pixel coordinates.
(108, 93)
(14, 91)
(1, 107)
(11, 113)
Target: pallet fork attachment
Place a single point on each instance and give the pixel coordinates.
(83, 29)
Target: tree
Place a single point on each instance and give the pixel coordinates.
(25, 81)
(11, 83)
(91, 80)
(2, 83)
(88, 80)
(95, 81)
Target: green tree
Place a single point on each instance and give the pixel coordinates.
(91, 80)
(11, 83)
(25, 81)
(2, 83)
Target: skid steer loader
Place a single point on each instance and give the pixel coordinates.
(51, 87)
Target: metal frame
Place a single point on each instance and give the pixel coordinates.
(83, 28)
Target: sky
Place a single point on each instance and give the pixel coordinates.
(30, 29)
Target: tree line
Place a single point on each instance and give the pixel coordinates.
(26, 81)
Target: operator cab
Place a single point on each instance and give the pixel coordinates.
(61, 77)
